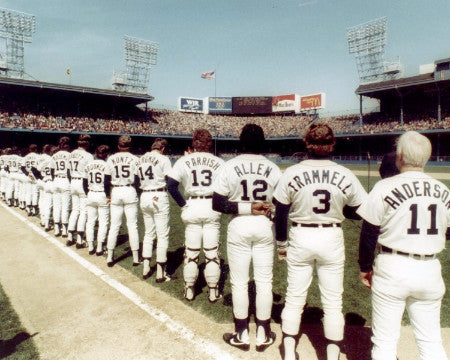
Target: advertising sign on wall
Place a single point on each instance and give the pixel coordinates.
(252, 105)
(311, 102)
(282, 103)
(220, 105)
(190, 105)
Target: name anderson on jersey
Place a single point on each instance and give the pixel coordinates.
(319, 177)
(416, 188)
(202, 161)
(252, 168)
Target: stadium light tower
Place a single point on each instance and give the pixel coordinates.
(367, 42)
(140, 56)
(16, 29)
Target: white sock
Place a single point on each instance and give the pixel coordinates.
(135, 256)
(244, 336)
(110, 256)
(333, 351)
(160, 271)
(289, 348)
(260, 335)
(90, 245)
(99, 246)
(146, 267)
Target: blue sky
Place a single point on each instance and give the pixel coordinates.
(258, 47)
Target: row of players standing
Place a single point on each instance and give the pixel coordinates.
(315, 196)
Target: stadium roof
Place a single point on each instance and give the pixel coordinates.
(423, 82)
(79, 91)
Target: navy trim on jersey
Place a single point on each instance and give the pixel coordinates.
(107, 185)
(350, 212)
(172, 188)
(36, 173)
(221, 204)
(367, 244)
(281, 220)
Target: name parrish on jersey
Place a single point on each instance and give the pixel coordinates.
(254, 169)
(320, 177)
(420, 188)
(202, 161)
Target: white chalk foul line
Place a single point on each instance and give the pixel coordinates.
(179, 329)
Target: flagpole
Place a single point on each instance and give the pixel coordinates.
(215, 113)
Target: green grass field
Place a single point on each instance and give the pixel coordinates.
(356, 300)
(15, 342)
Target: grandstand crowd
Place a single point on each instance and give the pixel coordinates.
(174, 123)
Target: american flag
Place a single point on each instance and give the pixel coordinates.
(210, 75)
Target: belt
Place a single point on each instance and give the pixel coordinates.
(98, 191)
(388, 250)
(61, 176)
(127, 185)
(312, 225)
(158, 189)
(200, 197)
(76, 178)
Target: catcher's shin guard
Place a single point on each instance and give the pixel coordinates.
(190, 269)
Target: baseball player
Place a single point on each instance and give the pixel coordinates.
(44, 173)
(13, 164)
(30, 188)
(196, 172)
(152, 171)
(61, 188)
(120, 174)
(2, 174)
(97, 204)
(244, 189)
(77, 163)
(388, 167)
(315, 195)
(407, 215)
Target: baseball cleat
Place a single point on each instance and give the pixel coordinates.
(233, 340)
(166, 278)
(92, 252)
(70, 242)
(146, 275)
(266, 343)
(110, 263)
(80, 246)
(100, 253)
(189, 293)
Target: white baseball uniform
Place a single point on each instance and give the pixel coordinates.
(3, 176)
(245, 179)
(412, 211)
(196, 173)
(13, 162)
(29, 182)
(152, 170)
(96, 205)
(77, 162)
(61, 190)
(45, 166)
(122, 168)
(317, 192)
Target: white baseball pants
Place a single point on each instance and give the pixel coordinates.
(250, 238)
(123, 200)
(400, 282)
(323, 248)
(61, 200)
(78, 215)
(156, 212)
(202, 224)
(97, 208)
